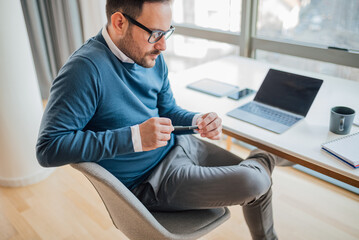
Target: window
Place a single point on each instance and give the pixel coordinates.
(324, 22)
(287, 30)
(185, 52)
(224, 15)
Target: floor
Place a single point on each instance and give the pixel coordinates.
(66, 206)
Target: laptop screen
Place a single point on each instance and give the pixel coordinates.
(288, 91)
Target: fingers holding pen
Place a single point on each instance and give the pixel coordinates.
(210, 126)
(155, 133)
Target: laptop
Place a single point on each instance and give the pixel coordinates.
(282, 100)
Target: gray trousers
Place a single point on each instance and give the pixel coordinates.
(199, 175)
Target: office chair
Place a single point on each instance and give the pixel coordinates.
(131, 217)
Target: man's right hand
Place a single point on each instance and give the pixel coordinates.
(155, 133)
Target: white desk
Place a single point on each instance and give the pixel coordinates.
(301, 143)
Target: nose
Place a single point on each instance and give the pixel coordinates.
(161, 44)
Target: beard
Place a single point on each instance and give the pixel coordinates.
(129, 47)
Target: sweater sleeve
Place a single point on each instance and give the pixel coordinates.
(167, 104)
(72, 104)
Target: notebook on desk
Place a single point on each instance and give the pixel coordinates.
(345, 148)
(282, 100)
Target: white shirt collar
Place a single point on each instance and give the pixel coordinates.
(114, 49)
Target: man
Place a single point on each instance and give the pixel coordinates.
(111, 103)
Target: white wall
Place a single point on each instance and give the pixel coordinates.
(20, 101)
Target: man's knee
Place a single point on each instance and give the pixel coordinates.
(254, 182)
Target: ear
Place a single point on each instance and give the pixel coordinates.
(119, 23)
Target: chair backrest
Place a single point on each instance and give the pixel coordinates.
(131, 217)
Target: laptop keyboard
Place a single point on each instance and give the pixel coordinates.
(270, 114)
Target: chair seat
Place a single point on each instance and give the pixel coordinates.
(186, 222)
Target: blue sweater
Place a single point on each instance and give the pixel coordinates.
(94, 101)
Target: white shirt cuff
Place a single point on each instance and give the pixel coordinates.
(195, 117)
(136, 138)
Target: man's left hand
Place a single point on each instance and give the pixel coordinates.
(210, 126)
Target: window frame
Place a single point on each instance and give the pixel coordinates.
(248, 42)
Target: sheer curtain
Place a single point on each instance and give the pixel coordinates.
(93, 17)
(54, 29)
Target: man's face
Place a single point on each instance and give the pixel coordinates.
(155, 16)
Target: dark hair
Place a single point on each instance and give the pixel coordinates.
(133, 8)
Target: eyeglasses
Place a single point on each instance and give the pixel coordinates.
(155, 35)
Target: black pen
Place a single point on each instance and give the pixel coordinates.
(185, 128)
